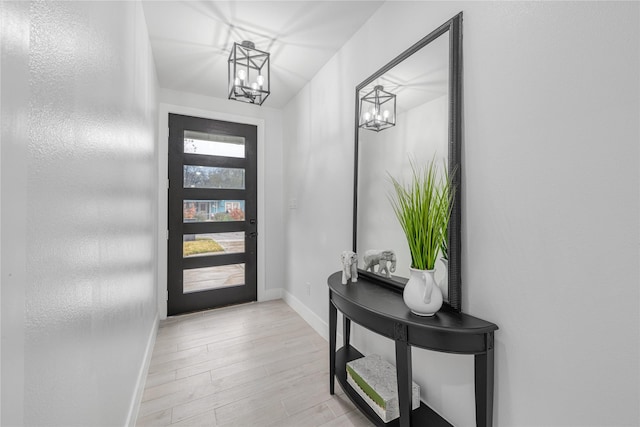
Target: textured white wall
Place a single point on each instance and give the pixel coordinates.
(78, 236)
(550, 201)
(270, 188)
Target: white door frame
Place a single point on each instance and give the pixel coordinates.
(163, 158)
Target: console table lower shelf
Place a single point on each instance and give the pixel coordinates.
(423, 416)
(383, 311)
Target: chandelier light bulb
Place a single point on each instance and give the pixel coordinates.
(254, 86)
(242, 74)
(367, 116)
(260, 80)
(385, 114)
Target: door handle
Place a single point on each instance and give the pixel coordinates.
(252, 234)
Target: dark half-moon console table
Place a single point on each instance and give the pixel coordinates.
(382, 310)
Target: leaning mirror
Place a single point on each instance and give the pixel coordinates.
(409, 111)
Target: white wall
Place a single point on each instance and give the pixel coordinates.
(270, 206)
(550, 202)
(79, 211)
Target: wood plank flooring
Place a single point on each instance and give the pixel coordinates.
(256, 364)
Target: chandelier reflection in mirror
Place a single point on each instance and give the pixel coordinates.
(378, 110)
(249, 77)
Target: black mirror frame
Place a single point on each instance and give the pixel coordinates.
(454, 26)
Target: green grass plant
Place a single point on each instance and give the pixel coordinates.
(423, 208)
(200, 246)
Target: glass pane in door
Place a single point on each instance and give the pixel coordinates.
(212, 210)
(207, 278)
(213, 177)
(213, 145)
(213, 244)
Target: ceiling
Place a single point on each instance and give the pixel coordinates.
(191, 40)
(420, 78)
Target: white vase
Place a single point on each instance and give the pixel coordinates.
(442, 277)
(421, 293)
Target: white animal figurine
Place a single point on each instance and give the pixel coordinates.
(349, 266)
(380, 258)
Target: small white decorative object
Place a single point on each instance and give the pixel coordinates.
(381, 258)
(349, 266)
(378, 386)
(421, 293)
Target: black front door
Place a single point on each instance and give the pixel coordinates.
(212, 230)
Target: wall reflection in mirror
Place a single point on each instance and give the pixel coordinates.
(420, 80)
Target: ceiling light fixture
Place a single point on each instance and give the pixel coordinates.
(377, 110)
(249, 73)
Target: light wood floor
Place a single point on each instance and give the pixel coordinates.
(255, 364)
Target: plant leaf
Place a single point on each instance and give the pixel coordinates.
(423, 209)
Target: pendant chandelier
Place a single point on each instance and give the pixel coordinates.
(249, 77)
(377, 110)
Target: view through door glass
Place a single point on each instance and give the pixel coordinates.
(212, 249)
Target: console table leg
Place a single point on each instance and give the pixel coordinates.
(333, 314)
(346, 330)
(404, 373)
(484, 386)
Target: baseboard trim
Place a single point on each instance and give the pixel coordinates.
(270, 294)
(315, 321)
(142, 375)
